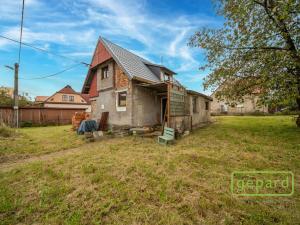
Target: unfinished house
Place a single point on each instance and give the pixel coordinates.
(137, 93)
(247, 106)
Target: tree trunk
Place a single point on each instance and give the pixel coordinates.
(298, 103)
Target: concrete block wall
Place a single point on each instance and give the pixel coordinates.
(106, 102)
(146, 106)
(107, 99)
(103, 84)
(202, 115)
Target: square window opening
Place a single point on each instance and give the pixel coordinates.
(122, 99)
(206, 105)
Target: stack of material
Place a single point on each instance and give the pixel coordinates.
(89, 137)
(120, 131)
(141, 130)
(77, 118)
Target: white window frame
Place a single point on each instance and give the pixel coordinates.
(120, 108)
(104, 72)
(65, 98)
(70, 97)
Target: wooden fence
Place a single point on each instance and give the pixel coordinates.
(38, 115)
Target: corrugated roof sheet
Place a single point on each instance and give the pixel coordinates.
(133, 65)
(200, 94)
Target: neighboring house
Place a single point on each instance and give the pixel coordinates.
(137, 92)
(65, 98)
(199, 107)
(248, 105)
(40, 99)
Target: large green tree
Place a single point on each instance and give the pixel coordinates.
(256, 51)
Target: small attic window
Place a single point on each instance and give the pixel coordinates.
(104, 72)
(65, 98)
(166, 76)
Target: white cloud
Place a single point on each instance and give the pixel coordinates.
(72, 27)
(11, 10)
(173, 46)
(86, 53)
(118, 19)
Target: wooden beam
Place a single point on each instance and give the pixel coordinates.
(162, 93)
(168, 104)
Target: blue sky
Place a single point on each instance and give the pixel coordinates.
(149, 28)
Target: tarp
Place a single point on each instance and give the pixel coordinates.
(87, 126)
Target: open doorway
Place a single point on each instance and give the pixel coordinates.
(163, 108)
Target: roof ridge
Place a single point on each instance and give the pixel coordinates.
(145, 60)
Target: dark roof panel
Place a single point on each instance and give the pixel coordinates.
(133, 65)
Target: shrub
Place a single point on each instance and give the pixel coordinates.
(26, 124)
(6, 131)
(257, 113)
(286, 112)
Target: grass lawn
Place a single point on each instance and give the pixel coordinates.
(134, 180)
(35, 141)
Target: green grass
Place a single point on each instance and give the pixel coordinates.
(134, 180)
(37, 140)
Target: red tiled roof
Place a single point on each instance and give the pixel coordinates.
(67, 90)
(86, 97)
(41, 98)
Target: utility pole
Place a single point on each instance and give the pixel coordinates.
(16, 96)
(16, 83)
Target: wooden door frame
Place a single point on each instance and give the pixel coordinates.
(161, 108)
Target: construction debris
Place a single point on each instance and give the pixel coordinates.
(186, 133)
(77, 118)
(141, 130)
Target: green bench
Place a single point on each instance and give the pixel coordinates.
(168, 136)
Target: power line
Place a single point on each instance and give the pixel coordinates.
(43, 50)
(21, 31)
(52, 75)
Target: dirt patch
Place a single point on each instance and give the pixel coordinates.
(7, 166)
